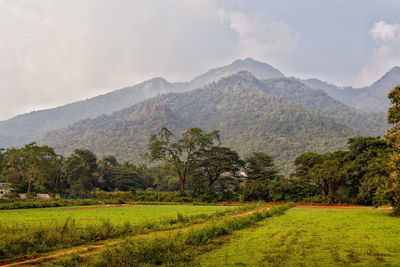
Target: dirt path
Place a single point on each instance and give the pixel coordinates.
(87, 250)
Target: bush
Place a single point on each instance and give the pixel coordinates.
(29, 204)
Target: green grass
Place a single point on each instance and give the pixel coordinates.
(175, 250)
(135, 214)
(32, 231)
(320, 237)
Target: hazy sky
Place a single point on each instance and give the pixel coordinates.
(54, 52)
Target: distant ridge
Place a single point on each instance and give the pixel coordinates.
(371, 98)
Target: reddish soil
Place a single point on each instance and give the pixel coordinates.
(329, 207)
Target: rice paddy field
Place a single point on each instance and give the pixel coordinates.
(314, 237)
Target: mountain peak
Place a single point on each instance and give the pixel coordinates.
(387, 81)
(395, 69)
(245, 75)
(157, 80)
(258, 69)
(251, 60)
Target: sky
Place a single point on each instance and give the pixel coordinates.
(54, 52)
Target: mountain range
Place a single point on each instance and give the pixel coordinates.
(281, 116)
(32, 126)
(253, 105)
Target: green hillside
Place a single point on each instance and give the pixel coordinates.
(368, 123)
(239, 106)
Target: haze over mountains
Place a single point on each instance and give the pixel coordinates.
(370, 98)
(254, 106)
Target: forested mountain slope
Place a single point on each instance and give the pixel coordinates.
(249, 116)
(31, 126)
(368, 123)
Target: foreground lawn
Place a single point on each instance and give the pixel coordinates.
(134, 214)
(314, 237)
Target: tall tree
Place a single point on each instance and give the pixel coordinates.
(392, 184)
(260, 166)
(32, 165)
(80, 168)
(302, 178)
(260, 171)
(181, 154)
(104, 169)
(216, 161)
(329, 175)
(123, 178)
(365, 167)
(304, 164)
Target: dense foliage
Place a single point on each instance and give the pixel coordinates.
(367, 123)
(351, 176)
(35, 168)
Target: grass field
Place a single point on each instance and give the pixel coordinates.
(314, 237)
(135, 214)
(302, 236)
(33, 231)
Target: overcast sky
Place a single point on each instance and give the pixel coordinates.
(54, 52)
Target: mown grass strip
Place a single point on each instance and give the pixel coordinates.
(172, 250)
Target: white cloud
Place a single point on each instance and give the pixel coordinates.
(55, 52)
(387, 53)
(385, 32)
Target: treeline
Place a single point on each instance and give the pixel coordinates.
(344, 176)
(202, 169)
(207, 171)
(35, 168)
(355, 175)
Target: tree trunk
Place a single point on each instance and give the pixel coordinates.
(182, 180)
(29, 184)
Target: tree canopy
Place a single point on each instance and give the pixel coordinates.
(181, 154)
